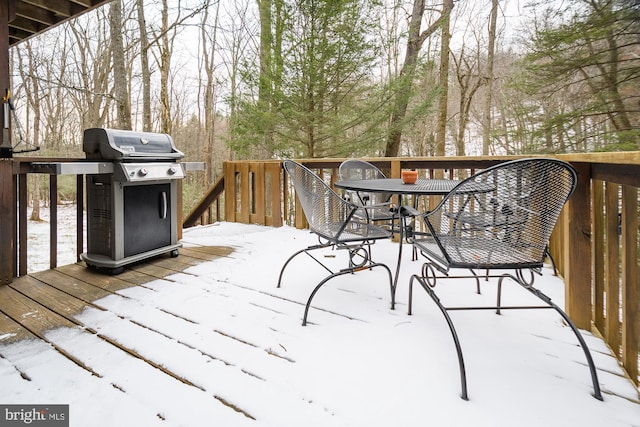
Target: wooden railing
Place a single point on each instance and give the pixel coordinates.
(14, 247)
(595, 244)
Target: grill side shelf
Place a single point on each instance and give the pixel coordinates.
(72, 168)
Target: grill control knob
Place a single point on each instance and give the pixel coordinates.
(143, 171)
(172, 170)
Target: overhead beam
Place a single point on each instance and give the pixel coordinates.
(36, 16)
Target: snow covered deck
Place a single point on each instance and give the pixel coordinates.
(207, 339)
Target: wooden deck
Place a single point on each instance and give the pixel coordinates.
(37, 303)
(238, 366)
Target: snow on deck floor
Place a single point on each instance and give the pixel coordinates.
(225, 347)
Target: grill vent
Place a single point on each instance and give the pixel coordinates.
(101, 214)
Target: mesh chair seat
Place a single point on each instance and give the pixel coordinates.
(478, 252)
(352, 232)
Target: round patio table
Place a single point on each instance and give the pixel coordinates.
(422, 187)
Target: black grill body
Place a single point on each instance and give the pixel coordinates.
(131, 213)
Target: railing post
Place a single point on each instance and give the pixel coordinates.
(577, 250)
(396, 169)
(7, 225)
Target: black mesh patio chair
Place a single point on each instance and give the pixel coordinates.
(335, 222)
(380, 207)
(498, 219)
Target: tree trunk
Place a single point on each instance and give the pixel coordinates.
(144, 65)
(441, 127)
(165, 66)
(486, 116)
(121, 86)
(403, 90)
(209, 94)
(265, 92)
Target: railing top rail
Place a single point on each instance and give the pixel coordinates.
(626, 157)
(622, 157)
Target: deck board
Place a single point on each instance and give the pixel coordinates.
(80, 289)
(108, 283)
(35, 317)
(12, 331)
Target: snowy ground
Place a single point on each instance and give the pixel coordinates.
(357, 364)
(38, 238)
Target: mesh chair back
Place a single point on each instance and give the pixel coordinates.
(359, 169)
(501, 217)
(328, 214)
(353, 169)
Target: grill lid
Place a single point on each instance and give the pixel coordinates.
(116, 144)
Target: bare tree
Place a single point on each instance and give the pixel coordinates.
(466, 72)
(121, 85)
(486, 118)
(87, 82)
(144, 65)
(27, 64)
(208, 52)
(416, 39)
(441, 126)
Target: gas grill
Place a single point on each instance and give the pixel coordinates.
(132, 195)
(131, 213)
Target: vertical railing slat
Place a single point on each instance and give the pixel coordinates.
(259, 197)
(598, 253)
(22, 225)
(53, 221)
(630, 294)
(80, 216)
(274, 170)
(612, 273)
(229, 191)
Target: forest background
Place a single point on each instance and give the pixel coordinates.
(257, 79)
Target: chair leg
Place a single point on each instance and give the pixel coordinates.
(340, 273)
(499, 299)
(305, 250)
(478, 279)
(592, 369)
(463, 375)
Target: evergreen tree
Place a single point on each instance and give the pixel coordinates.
(322, 101)
(583, 73)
